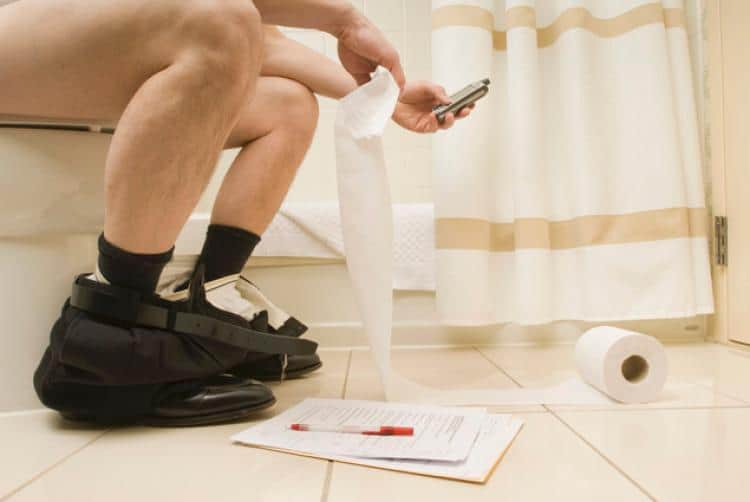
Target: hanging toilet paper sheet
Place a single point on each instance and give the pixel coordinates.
(613, 364)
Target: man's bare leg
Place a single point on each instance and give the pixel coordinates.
(275, 131)
(175, 73)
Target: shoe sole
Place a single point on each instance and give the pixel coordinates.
(290, 375)
(191, 421)
(210, 419)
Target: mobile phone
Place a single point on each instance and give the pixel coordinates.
(463, 98)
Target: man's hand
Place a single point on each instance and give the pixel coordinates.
(414, 108)
(363, 47)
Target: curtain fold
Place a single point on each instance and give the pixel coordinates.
(575, 191)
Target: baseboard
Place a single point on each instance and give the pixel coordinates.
(430, 334)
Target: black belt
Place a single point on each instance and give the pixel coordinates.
(125, 305)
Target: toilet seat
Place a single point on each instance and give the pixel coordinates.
(56, 123)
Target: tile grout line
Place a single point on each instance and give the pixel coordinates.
(721, 392)
(22, 413)
(327, 482)
(603, 456)
(510, 377)
(648, 409)
(579, 436)
(498, 367)
(346, 376)
(329, 468)
(45, 471)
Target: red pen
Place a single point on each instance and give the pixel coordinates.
(383, 430)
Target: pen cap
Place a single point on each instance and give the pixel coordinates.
(397, 431)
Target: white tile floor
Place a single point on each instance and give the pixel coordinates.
(692, 447)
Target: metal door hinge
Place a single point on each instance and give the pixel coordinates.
(720, 240)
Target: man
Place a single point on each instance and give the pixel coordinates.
(184, 79)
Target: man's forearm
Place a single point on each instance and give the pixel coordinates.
(290, 59)
(362, 46)
(331, 16)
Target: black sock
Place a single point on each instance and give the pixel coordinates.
(130, 270)
(226, 250)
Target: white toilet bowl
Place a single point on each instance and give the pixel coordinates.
(51, 201)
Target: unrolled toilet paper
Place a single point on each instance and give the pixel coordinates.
(613, 364)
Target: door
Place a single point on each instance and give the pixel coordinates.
(729, 87)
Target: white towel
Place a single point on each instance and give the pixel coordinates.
(313, 230)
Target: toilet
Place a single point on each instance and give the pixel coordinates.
(51, 194)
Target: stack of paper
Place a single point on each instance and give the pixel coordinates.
(456, 443)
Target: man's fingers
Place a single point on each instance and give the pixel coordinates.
(362, 47)
(427, 125)
(358, 66)
(361, 78)
(448, 122)
(422, 92)
(391, 61)
(434, 92)
(393, 64)
(464, 112)
(398, 73)
(441, 95)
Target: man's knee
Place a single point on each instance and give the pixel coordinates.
(221, 38)
(222, 21)
(299, 105)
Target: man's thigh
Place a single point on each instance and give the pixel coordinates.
(80, 58)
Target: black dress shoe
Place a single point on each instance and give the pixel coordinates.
(214, 400)
(278, 368)
(221, 398)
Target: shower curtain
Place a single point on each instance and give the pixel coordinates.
(575, 191)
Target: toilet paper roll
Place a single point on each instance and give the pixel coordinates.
(627, 366)
(614, 364)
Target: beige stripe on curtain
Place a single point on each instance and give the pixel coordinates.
(573, 18)
(594, 230)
